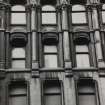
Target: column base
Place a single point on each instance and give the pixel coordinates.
(35, 69)
(2, 65)
(35, 74)
(35, 65)
(67, 65)
(69, 73)
(101, 64)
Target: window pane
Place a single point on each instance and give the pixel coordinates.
(78, 18)
(18, 53)
(17, 95)
(52, 100)
(87, 100)
(48, 18)
(20, 90)
(78, 8)
(18, 18)
(48, 8)
(50, 60)
(18, 63)
(52, 89)
(18, 8)
(103, 6)
(86, 89)
(50, 48)
(103, 16)
(82, 60)
(81, 48)
(17, 100)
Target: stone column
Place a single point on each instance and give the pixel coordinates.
(98, 46)
(2, 49)
(66, 41)
(34, 42)
(2, 37)
(92, 51)
(58, 9)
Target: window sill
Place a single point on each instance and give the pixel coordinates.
(51, 69)
(84, 69)
(2, 29)
(18, 70)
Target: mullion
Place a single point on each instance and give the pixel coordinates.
(48, 12)
(18, 11)
(47, 53)
(18, 58)
(16, 95)
(86, 93)
(52, 93)
(79, 12)
(82, 52)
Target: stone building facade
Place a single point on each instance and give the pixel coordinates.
(52, 52)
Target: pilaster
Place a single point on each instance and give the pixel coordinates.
(98, 46)
(66, 38)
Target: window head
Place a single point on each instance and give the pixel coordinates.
(50, 39)
(18, 39)
(81, 38)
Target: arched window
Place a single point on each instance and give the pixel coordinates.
(50, 56)
(48, 15)
(52, 94)
(18, 93)
(87, 92)
(50, 50)
(18, 14)
(18, 57)
(82, 53)
(78, 14)
(103, 13)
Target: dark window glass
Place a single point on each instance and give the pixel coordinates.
(86, 93)
(52, 93)
(17, 94)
